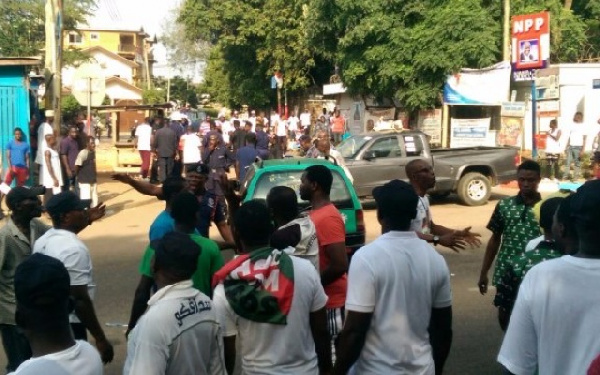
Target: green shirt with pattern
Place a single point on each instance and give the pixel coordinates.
(515, 222)
(508, 285)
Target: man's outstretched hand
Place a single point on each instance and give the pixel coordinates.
(122, 177)
(97, 213)
(472, 239)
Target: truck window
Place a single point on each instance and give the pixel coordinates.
(386, 147)
(413, 145)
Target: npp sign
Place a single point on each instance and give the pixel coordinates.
(530, 44)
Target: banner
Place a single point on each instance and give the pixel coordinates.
(510, 134)
(488, 86)
(469, 132)
(530, 45)
(430, 123)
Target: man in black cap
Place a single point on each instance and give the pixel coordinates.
(69, 216)
(554, 325)
(43, 307)
(179, 333)
(399, 314)
(17, 237)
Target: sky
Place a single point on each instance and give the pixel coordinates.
(149, 14)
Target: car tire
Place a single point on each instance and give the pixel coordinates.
(474, 189)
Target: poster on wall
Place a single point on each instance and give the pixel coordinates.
(471, 86)
(511, 130)
(355, 120)
(469, 132)
(430, 123)
(530, 45)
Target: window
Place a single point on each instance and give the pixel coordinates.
(291, 179)
(94, 36)
(413, 145)
(386, 147)
(75, 38)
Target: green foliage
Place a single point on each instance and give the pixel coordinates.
(70, 108)
(252, 39)
(22, 30)
(153, 96)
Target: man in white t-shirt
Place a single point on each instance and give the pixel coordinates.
(191, 147)
(422, 178)
(305, 119)
(554, 325)
(69, 216)
(143, 141)
(286, 331)
(292, 125)
(43, 306)
(44, 131)
(179, 333)
(575, 148)
(399, 303)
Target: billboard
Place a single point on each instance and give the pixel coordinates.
(530, 47)
(469, 132)
(472, 86)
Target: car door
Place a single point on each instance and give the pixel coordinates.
(369, 172)
(412, 148)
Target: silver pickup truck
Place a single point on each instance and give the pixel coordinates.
(377, 157)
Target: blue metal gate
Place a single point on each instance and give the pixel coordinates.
(14, 108)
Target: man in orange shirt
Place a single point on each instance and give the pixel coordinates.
(315, 187)
(338, 126)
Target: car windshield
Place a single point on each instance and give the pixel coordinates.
(339, 191)
(351, 146)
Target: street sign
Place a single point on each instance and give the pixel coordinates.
(89, 85)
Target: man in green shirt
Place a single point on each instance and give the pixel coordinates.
(513, 224)
(183, 210)
(508, 285)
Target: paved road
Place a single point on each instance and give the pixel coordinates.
(118, 241)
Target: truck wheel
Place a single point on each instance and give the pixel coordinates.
(474, 189)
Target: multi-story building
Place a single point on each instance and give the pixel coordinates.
(129, 43)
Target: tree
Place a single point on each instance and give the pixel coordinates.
(22, 24)
(70, 108)
(252, 39)
(153, 96)
(403, 49)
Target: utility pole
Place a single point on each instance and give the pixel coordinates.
(506, 42)
(53, 58)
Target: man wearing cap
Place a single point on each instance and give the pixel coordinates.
(180, 333)
(398, 320)
(17, 237)
(69, 217)
(43, 132)
(554, 325)
(43, 307)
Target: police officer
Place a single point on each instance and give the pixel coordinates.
(218, 158)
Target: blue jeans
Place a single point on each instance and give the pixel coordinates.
(16, 346)
(573, 155)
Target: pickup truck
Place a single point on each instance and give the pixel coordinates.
(377, 157)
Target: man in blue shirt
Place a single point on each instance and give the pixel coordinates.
(164, 223)
(17, 156)
(245, 156)
(262, 141)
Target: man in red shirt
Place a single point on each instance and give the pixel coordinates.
(331, 234)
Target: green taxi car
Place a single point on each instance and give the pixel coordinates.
(264, 175)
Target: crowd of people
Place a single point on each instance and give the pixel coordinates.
(167, 146)
(573, 141)
(51, 165)
(292, 300)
